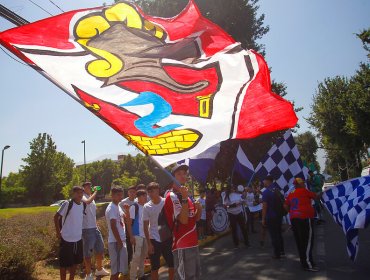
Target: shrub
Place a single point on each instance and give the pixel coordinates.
(15, 264)
(24, 240)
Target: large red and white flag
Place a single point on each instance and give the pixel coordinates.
(173, 87)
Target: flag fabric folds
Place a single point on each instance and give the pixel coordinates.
(283, 162)
(349, 204)
(200, 165)
(243, 166)
(173, 87)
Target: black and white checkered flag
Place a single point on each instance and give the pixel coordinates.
(283, 162)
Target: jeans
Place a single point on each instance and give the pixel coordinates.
(138, 257)
(234, 221)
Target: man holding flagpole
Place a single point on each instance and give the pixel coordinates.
(182, 215)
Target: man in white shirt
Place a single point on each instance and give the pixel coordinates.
(156, 246)
(115, 216)
(234, 203)
(125, 205)
(68, 226)
(137, 236)
(91, 235)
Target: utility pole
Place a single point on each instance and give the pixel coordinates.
(1, 168)
(84, 142)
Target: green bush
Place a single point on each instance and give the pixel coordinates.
(24, 240)
(28, 237)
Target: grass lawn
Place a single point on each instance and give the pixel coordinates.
(11, 212)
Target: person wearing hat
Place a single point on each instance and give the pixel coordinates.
(91, 235)
(233, 201)
(182, 214)
(301, 211)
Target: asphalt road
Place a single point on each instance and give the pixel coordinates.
(220, 261)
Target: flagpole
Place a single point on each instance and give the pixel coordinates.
(169, 174)
(250, 180)
(19, 21)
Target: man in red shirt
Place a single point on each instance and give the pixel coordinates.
(301, 211)
(182, 215)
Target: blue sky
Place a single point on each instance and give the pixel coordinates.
(308, 41)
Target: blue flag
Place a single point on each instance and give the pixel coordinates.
(243, 166)
(349, 204)
(200, 165)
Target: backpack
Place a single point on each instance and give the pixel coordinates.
(70, 204)
(279, 203)
(164, 229)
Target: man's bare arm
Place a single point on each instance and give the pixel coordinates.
(113, 226)
(57, 217)
(90, 199)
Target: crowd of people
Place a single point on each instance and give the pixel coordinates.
(150, 223)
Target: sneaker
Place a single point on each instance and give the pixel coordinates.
(89, 277)
(312, 269)
(101, 272)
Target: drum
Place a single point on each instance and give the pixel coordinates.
(220, 219)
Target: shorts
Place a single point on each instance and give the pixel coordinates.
(201, 223)
(70, 253)
(118, 258)
(164, 249)
(187, 264)
(92, 241)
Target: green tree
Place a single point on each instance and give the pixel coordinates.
(307, 146)
(13, 180)
(75, 181)
(332, 116)
(126, 181)
(364, 36)
(46, 170)
(356, 106)
(13, 191)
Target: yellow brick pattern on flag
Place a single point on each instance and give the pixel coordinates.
(169, 143)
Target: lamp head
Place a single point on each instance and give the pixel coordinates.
(6, 147)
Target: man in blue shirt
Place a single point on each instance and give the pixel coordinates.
(271, 218)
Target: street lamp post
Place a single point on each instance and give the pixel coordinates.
(1, 168)
(84, 142)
